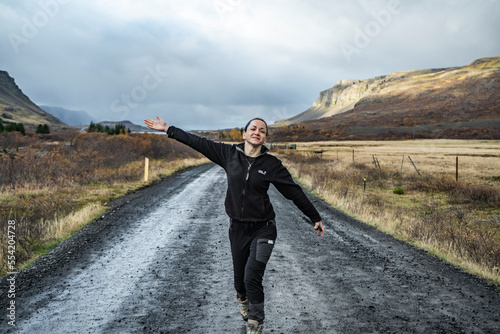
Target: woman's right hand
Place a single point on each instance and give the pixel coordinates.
(159, 125)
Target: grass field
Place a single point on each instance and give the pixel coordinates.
(478, 161)
(459, 221)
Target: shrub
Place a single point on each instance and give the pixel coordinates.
(398, 191)
(13, 127)
(44, 129)
(474, 194)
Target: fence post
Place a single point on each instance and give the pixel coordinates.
(414, 166)
(456, 174)
(402, 161)
(352, 155)
(146, 169)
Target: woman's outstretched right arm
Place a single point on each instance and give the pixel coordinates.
(159, 125)
(216, 152)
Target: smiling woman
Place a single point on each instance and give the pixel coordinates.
(255, 135)
(252, 233)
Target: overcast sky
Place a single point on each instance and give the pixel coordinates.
(212, 64)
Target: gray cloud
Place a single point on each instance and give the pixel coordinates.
(214, 64)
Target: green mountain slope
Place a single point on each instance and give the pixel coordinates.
(15, 106)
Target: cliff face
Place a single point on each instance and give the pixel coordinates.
(15, 106)
(410, 90)
(338, 99)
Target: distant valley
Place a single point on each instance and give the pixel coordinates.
(68, 116)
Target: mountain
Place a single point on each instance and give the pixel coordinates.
(68, 116)
(17, 107)
(433, 101)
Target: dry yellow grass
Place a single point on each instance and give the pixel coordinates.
(478, 160)
(475, 242)
(61, 227)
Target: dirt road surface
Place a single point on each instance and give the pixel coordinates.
(159, 262)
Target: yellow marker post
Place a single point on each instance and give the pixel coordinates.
(146, 169)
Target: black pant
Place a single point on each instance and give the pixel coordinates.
(251, 247)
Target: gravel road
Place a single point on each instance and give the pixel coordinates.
(159, 262)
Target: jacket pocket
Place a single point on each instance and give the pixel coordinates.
(264, 250)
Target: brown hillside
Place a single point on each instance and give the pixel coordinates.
(459, 102)
(17, 107)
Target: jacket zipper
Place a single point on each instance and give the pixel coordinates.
(244, 188)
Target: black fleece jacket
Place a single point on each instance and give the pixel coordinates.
(246, 198)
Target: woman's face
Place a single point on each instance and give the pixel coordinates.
(256, 133)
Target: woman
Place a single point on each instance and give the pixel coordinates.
(252, 233)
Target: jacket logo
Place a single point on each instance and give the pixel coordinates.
(263, 172)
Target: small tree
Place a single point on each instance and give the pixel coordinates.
(116, 130)
(44, 129)
(235, 135)
(12, 127)
(92, 127)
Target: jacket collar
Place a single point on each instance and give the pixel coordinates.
(241, 147)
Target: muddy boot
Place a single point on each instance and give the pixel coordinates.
(253, 327)
(243, 307)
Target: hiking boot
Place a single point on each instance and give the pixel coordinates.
(243, 307)
(253, 327)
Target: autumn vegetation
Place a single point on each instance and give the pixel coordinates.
(403, 129)
(53, 184)
(456, 220)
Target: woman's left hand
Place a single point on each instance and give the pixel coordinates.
(320, 228)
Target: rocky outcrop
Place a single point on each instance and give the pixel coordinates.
(418, 86)
(15, 106)
(338, 99)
